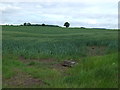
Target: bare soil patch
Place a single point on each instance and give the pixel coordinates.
(54, 63)
(96, 50)
(21, 58)
(24, 80)
(48, 63)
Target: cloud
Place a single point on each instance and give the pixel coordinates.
(94, 13)
(4, 7)
(87, 1)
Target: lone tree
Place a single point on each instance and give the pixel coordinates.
(66, 24)
(43, 24)
(25, 24)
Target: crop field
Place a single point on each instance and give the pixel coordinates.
(32, 57)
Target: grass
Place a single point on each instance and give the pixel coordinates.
(95, 51)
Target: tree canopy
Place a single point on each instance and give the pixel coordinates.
(66, 24)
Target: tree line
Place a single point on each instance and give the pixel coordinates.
(29, 24)
(66, 24)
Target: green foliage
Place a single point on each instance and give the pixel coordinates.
(67, 24)
(11, 65)
(97, 72)
(42, 42)
(94, 50)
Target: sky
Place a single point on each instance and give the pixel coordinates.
(79, 13)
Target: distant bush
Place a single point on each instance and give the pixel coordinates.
(52, 25)
(36, 25)
(27, 24)
(98, 28)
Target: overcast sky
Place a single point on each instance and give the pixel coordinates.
(80, 13)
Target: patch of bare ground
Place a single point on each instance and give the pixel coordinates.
(22, 79)
(61, 69)
(53, 64)
(96, 50)
(23, 59)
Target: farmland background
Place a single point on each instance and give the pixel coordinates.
(95, 50)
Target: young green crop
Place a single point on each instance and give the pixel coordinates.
(95, 51)
(41, 42)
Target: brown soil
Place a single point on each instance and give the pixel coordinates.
(96, 50)
(23, 80)
(52, 62)
(60, 67)
(21, 58)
